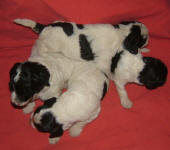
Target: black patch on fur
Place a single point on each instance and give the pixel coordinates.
(115, 60)
(39, 27)
(104, 90)
(49, 124)
(32, 79)
(154, 73)
(80, 26)
(134, 40)
(47, 104)
(85, 48)
(67, 27)
(116, 26)
(12, 74)
(127, 22)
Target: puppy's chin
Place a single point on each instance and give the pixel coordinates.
(19, 105)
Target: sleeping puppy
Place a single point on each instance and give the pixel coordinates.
(115, 48)
(147, 71)
(76, 107)
(44, 75)
(39, 77)
(96, 43)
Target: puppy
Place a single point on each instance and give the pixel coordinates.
(39, 77)
(79, 105)
(147, 71)
(115, 48)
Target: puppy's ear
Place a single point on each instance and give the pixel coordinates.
(49, 124)
(41, 74)
(57, 131)
(154, 73)
(134, 40)
(49, 102)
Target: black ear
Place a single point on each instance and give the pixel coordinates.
(48, 124)
(56, 131)
(40, 74)
(134, 40)
(49, 102)
(154, 73)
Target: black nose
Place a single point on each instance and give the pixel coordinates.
(16, 106)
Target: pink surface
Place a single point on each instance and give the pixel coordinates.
(144, 127)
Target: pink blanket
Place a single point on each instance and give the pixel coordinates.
(144, 127)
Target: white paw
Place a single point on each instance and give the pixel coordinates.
(144, 50)
(127, 104)
(53, 140)
(75, 131)
(29, 108)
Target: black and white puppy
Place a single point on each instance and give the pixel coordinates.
(126, 67)
(45, 75)
(111, 48)
(76, 107)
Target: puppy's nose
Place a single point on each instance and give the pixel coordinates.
(16, 106)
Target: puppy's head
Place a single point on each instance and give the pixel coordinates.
(27, 79)
(44, 120)
(154, 73)
(137, 36)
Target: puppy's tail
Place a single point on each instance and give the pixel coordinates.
(36, 27)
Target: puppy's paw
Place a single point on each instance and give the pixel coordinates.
(144, 50)
(29, 108)
(75, 131)
(127, 104)
(53, 140)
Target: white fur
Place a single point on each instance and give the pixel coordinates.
(29, 108)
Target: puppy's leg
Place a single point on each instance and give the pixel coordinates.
(125, 102)
(77, 128)
(29, 108)
(53, 140)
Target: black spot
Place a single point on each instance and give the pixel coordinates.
(116, 26)
(32, 79)
(67, 27)
(115, 60)
(49, 124)
(47, 104)
(104, 90)
(127, 22)
(154, 73)
(80, 26)
(39, 27)
(12, 74)
(134, 40)
(85, 49)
